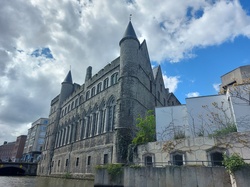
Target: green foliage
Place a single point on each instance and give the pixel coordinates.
(146, 129)
(132, 150)
(179, 135)
(226, 130)
(113, 170)
(67, 175)
(136, 166)
(233, 162)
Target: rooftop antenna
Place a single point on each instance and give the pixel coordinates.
(130, 16)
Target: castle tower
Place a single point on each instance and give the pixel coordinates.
(66, 90)
(129, 64)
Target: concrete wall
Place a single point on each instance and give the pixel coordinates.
(167, 177)
(170, 121)
(194, 150)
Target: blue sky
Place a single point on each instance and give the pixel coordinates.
(194, 41)
(199, 74)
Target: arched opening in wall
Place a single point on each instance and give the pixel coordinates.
(215, 156)
(216, 159)
(178, 158)
(148, 159)
(11, 171)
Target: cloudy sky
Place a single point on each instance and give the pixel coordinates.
(195, 41)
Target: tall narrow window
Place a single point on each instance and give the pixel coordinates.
(58, 164)
(106, 83)
(87, 95)
(77, 161)
(148, 161)
(114, 78)
(92, 91)
(66, 163)
(89, 160)
(76, 102)
(105, 159)
(111, 115)
(99, 87)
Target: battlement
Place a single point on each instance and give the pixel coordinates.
(103, 72)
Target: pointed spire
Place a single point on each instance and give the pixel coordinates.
(129, 33)
(68, 78)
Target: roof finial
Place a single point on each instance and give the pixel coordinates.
(70, 67)
(130, 16)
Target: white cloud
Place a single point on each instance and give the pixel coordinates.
(216, 86)
(193, 94)
(171, 82)
(82, 33)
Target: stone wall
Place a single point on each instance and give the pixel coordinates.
(173, 176)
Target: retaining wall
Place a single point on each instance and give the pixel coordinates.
(173, 176)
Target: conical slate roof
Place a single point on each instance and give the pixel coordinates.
(68, 78)
(129, 32)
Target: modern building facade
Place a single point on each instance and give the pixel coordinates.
(94, 123)
(35, 140)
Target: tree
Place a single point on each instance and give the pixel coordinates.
(145, 129)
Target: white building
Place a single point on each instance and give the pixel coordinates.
(202, 116)
(35, 140)
(183, 131)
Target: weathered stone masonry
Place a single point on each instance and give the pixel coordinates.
(95, 122)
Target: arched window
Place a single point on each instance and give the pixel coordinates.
(114, 78)
(148, 159)
(101, 118)
(93, 92)
(215, 156)
(111, 114)
(177, 158)
(105, 83)
(87, 95)
(99, 87)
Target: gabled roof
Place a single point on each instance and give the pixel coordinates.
(68, 78)
(155, 71)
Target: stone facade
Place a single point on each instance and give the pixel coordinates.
(95, 122)
(206, 151)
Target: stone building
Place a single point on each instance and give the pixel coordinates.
(35, 140)
(17, 151)
(6, 151)
(94, 123)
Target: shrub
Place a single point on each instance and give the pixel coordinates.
(233, 162)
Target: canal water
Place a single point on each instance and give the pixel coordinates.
(43, 182)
